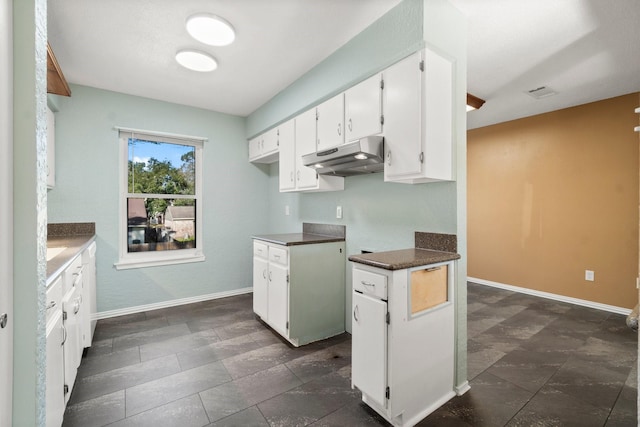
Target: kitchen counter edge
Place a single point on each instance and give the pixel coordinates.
(404, 258)
(294, 239)
(75, 246)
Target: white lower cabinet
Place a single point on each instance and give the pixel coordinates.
(403, 340)
(298, 290)
(70, 325)
(55, 402)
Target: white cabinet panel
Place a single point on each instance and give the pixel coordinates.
(260, 284)
(418, 119)
(305, 144)
(331, 123)
(287, 156)
(369, 346)
(270, 141)
(402, 114)
(55, 370)
(278, 297)
(363, 109)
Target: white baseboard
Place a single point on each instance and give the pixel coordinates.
(462, 388)
(556, 297)
(172, 303)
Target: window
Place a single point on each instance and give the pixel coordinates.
(160, 199)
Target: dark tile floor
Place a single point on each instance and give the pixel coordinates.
(531, 362)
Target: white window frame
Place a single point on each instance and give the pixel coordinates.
(127, 260)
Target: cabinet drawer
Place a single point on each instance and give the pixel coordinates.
(370, 283)
(278, 255)
(54, 298)
(260, 249)
(71, 273)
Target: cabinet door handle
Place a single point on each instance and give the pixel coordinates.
(264, 274)
(51, 305)
(389, 157)
(350, 125)
(298, 175)
(270, 276)
(339, 128)
(356, 313)
(4, 318)
(368, 284)
(64, 335)
(291, 176)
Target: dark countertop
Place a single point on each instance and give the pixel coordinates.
(75, 244)
(292, 239)
(404, 258)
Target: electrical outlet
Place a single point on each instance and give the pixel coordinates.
(339, 212)
(589, 275)
(286, 210)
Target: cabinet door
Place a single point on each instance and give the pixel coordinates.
(278, 298)
(270, 141)
(287, 156)
(260, 284)
(331, 123)
(362, 109)
(255, 147)
(305, 143)
(369, 347)
(402, 118)
(55, 371)
(51, 149)
(72, 344)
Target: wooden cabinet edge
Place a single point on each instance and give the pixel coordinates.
(56, 83)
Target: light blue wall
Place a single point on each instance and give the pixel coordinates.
(235, 193)
(29, 211)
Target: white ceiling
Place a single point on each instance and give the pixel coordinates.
(129, 46)
(585, 50)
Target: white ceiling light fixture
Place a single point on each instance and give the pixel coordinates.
(210, 29)
(196, 60)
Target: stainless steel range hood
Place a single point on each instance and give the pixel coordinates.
(365, 155)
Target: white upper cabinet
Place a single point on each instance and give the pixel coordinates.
(264, 148)
(305, 136)
(330, 116)
(418, 124)
(363, 109)
(51, 149)
(297, 138)
(287, 156)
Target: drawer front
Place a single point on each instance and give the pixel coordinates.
(370, 283)
(54, 298)
(71, 273)
(278, 255)
(260, 249)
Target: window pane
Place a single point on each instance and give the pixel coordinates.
(161, 168)
(160, 224)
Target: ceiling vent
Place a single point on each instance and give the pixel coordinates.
(541, 92)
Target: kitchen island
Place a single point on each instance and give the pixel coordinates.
(299, 282)
(403, 348)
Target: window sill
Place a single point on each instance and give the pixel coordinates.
(126, 264)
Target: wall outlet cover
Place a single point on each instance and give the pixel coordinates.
(589, 275)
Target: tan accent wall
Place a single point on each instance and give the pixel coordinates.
(553, 195)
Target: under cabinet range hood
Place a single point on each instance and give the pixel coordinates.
(365, 155)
